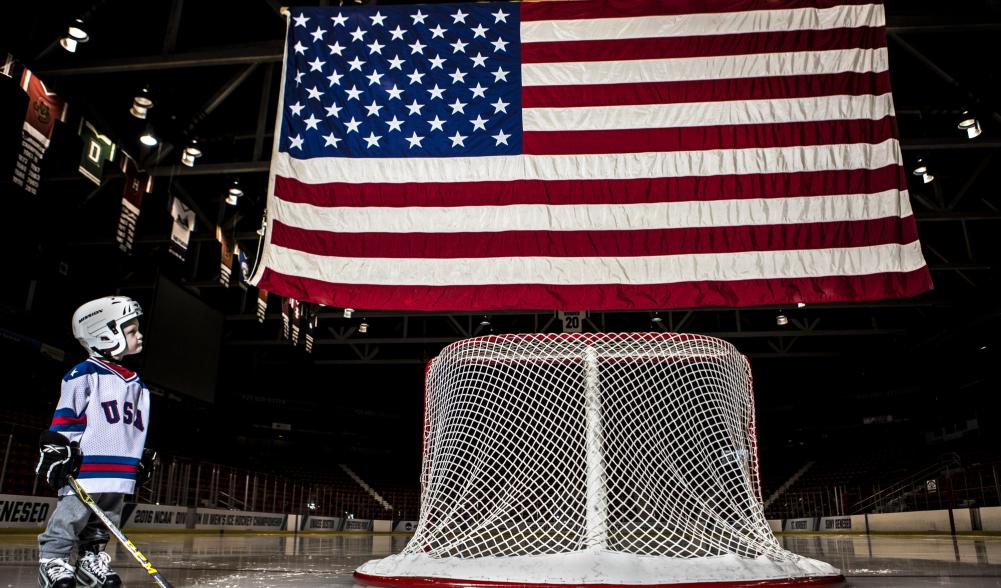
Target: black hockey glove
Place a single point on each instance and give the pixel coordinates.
(58, 458)
(147, 466)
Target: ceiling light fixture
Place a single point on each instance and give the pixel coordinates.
(363, 327)
(233, 196)
(141, 104)
(348, 312)
(148, 138)
(970, 124)
(781, 320)
(921, 169)
(74, 36)
(191, 153)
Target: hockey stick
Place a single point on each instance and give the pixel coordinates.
(145, 563)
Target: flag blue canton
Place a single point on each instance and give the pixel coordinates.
(403, 81)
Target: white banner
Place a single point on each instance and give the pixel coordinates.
(809, 524)
(358, 525)
(837, 525)
(405, 527)
(25, 512)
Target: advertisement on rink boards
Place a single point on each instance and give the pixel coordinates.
(25, 512)
(151, 516)
(358, 525)
(405, 527)
(322, 524)
(231, 520)
(807, 524)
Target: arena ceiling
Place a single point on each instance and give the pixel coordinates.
(213, 69)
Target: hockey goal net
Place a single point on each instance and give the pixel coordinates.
(591, 458)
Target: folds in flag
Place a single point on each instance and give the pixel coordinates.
(599, 154)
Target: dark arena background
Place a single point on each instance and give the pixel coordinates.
(877, 423)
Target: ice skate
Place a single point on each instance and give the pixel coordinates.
(94, 569)
(55, 573)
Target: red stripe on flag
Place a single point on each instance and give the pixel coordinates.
(632, 8)
(107, 467)
(639, 190)
(763, 88)
(703, 46)
(598, 243)
(709, 137)
(604, 296)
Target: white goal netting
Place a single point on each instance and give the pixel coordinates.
(555, 453)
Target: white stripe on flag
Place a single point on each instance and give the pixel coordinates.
(612, 166)
(660, 269)
(595, 217)
(720, 67)
(697, 114)
(690, 25)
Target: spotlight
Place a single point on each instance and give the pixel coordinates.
(485, 322)
(191, 153)
(348, 312)
(74, 36)
(800, 305)
(234, 193)
(921, 169)
(141, 104)
(781, 320)
(363, 327)
(970, 124)
(148, 138)
(656, 318)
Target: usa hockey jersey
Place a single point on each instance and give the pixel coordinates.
(105, 408)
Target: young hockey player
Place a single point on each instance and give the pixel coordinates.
(98, 435)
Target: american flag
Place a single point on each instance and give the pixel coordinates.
(594, 154)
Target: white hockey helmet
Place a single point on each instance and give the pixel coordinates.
(97, 325)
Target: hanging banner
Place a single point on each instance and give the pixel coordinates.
(44, 109)
(286, 317)
(10, 67)
(296, 320)
(137, 183)
(262, 305)
(311, 315)
(180, 232)
(97, 149)
(228, 242)
(244, 263)
(573, 321)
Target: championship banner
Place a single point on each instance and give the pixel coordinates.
(97, 149)
(10, 66)
(311, 316)
(180, 232)
(286, 317)
(244, 263)
(136, 184)
(44, 109)
(296, 319)
(262, 305)
(228, 242)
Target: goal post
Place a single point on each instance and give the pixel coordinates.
(586, 459)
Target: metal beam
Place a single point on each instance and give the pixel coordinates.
(173, 25)
(257, 53)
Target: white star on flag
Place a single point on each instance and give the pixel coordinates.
(479, 60)
(394, 93)
(500, 16)
(479, 31)
(377, 19)
(318, 34)
(437, 31)
(394, 124)
(353, 93)
(479, 91)
(352, 125)
(330, 140)
(300, 21)
(296, 108)
(375, 47)
(397, 33)
(415, 140)
(500, 106)
(415, 108)
(316, 64)
(315, 92)
(300, 48)
(339, 20)
(459, 16)
(459, 77)
(298, 78)
(373, 109)
(374, 78)
(499, 45)
(500, 75)
(396, 63)
(296, 142)
(437, 124)
(458, 46)
(335, 78)
(417, 47)
(457, 139)
(501, 137)
(311, 122)
(373, 140)
(458, 107)
(336, 48)
(333, 110)
(437, 62)
(356, 64)
(418, 17)
(479, 123)
(436, 92)
(416, 77)
(358, 34)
